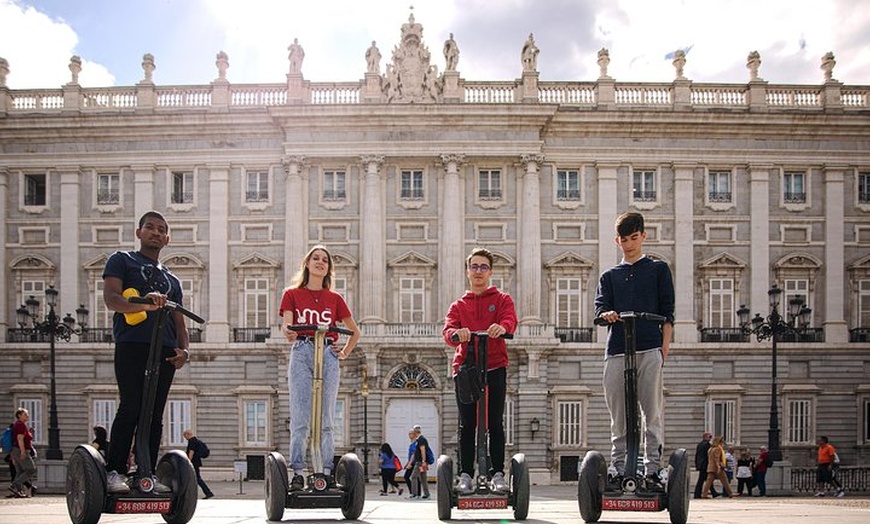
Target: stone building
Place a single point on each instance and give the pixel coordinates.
(400, 175)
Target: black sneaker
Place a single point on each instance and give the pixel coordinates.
(614, 482)
(298, 483)
(654, 482)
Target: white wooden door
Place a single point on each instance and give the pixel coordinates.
(402, 414)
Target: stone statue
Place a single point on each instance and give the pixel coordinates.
(828, 64)
(222, 62)
(409, 77)
(373, 59)
(451, 53)
(149, 67)
(603, 62)
(4, 71)
(75, 67)
(753, 62)
(530, 54)
(297, 54)
(679, 63)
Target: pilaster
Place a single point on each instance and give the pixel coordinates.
(759, 237)
(608, 253)
(836, 328)
(372, 244)
(70, 268)
(143, 190)
(452, 235)
(530, 87)
(4, 212)
(217, 329)
(529, 226)
(685, 326)
(452, 93)
(372, 93)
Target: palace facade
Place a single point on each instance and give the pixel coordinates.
(401, 174)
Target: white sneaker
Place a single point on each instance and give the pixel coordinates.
(159, 487)
(498, 483)
(820, 493)
(840, 494)
(116, 483)
(466, 485)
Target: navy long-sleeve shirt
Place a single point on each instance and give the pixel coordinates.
(645, 286)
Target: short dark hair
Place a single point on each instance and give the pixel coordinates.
(628, 223)
(479, 252)
(152, 214)
(823, 439)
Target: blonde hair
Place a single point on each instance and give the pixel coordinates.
(300, 279)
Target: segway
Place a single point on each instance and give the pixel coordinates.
(483, 497)
(594, 493)
(87, 495)
(349, 490)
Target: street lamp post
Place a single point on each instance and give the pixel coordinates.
(54, 328)
(773, 327)
(365, 397)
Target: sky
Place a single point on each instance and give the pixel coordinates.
(38, 37)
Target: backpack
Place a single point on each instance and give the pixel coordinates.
(203, 451)
(397, 464)
(430, 457)
(6, 442)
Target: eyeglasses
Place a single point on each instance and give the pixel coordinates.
(478, 268)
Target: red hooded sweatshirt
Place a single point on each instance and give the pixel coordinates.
(477, 313)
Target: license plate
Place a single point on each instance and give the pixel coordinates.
(482, 503)
(631, 504)
(143, 506)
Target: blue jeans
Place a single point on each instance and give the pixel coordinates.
(300, 376)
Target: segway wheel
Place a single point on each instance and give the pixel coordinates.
(85, 485)
(678, 486)
(276, 486)
(593, 472)
(520, 486)
(444, 478)
(175, 470)
(349, 474)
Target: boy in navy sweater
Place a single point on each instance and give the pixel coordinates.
(638, 284)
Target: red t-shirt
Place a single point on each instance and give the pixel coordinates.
(314, 307)
(20, 428)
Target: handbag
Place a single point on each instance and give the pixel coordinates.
(468, 381)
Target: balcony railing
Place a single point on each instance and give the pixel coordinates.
(804, 335)
(717, 334)
(861, 334)
(855, 479)
(250, 334)
(98, 335)
(574, 334)
(25, 336)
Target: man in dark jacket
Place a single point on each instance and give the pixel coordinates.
(701, 464)
(194, 453)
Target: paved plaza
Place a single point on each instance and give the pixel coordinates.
(549, 505)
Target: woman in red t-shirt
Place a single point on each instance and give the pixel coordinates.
(310, 300)
(22, 448)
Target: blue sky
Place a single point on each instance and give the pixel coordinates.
(37, 38)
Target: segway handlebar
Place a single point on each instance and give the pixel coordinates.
(171, 306)
(507, 336)
(320, 327)
(652, 317)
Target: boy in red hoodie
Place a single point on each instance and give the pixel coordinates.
(483, 308)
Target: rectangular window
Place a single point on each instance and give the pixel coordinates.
(412, 185)
(866, 420)
(721, 303)
(567, 185)
(863, 304)
(187, 293)
(339, 285)
(508, 420)
(177, 420)
(256, 302)
(334, 186)
(255, 423)
(569, 422)
(411, 300)
(338, 423)
(569, 295)
(800, 421)
(864, 188)
(100, 316)
(644, 185)
(794, 288)
(35, 190)
(34, 407)
(258, 186)
(35, 289)
(719, 186)
(182, 187)
(490, 184)
(720, 418)
(108, 189)
(793, 187)
(104, 413)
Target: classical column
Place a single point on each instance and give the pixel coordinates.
(685, 327)
(218, 327)
(4, 212)
(529, 249)
(295, 215)
(608, 252)
(836, 329)
(70, 268)
(143, 192)
(372, 244)
(759, 238)
(452, 236)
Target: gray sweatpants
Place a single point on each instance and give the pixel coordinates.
(651, 399)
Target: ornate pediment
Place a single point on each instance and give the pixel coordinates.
(569, 261)
(798, 261)
(256, 261)
(31, 263)
(177, 261)
(722, 261)
(412, 259)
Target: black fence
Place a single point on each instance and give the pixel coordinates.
(853, 479)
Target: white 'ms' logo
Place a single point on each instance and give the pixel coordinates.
(310, 316)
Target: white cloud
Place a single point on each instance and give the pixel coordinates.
(38, 50)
